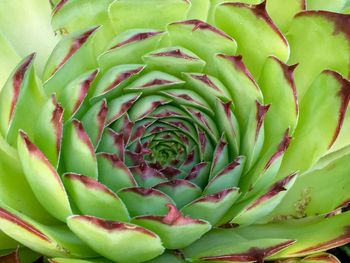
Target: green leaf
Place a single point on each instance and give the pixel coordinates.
(111, 84)
(202, 39)
(306, 233)
(250, 25)
(175, 230)
(21, 92)
(215, 250)
(95, 199)
(94, 121)
(172, 256)
(113, 173)
(333, 6)
(73, 15)
(199, 9)
(72, 57)
(78, 151)
(241, 86)
(174, 60)
(73, 97)
(282, 12)
(305, 197)
(129, 47)
(70, 260)
(277, 85)
(49, 129)
(144, 201)
(43, 179)
(117, 241)
(226, 178)
(33, 33)
(15, 190)
(181, 191)
(250, 211)
(312, 53)
(9, 59)
(7, 242)
(50, 241)
(128, 14)
(328, 96)
(212, 207)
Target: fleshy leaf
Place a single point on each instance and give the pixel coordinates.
(9, 59)
(277, 85)
(255, 209)
(33, 33)
(282, 12)
(333, 6)
(181, 191)
(175, 230)
(117, 241)
(144, 201)
(78, 151)
(312, 53)
(43, 179)
(212, 207)
(94, 121)
(48, 131)
(304, 198)
(306, 233)
(73, 96)
(72, 57)
(242, 251)
(202, 39)
(127, 14)
(15, 190)
(250, 25)
(113, 173)
(329, 96)
(95, 199)
(51, 241)
(21, 92)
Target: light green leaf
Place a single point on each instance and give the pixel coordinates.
(117, 241)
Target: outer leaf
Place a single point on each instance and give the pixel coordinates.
(277, 85)
(49, 129)
(50, 241)
(236, 19)
(128, 14)
(242, 251)
(72, 57)
(43, 179)
(33, 33)
(329, 96)
(212, 207)
(145, 201)
(282, 12)
(9, 59)
(21, 92)
(95, 199)
(202, 39)
(312, 53)
(255, 209)
(14, 188)
(117, 241)
(333, 6)
(305, 197)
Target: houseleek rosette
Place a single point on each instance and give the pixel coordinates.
(174, 130)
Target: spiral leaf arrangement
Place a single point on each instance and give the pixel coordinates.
(178, 131)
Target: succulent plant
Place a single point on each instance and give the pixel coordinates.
(174, 130)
